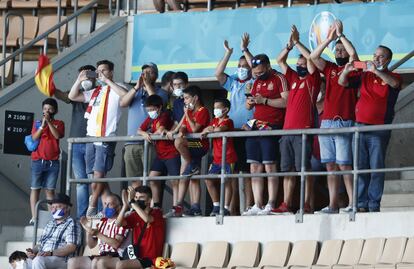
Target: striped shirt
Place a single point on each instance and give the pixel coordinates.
(57, 235)
(111, 230)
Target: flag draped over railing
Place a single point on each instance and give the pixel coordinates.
(44, 76)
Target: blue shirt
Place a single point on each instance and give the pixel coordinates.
(178, 109)
(237, 89)
(137, 112)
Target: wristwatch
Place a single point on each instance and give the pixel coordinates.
(245, 50)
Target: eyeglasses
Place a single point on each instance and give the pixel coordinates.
(256, 62)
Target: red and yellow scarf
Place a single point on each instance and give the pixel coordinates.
(103, 110)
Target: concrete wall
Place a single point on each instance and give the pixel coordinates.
(16, 167)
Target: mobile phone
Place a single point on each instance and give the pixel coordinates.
(359, 65)
(91, 74)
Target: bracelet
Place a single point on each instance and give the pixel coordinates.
(245, 50)
(288, 48)
(342, 35)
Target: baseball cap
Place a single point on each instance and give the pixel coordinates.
(151, 65)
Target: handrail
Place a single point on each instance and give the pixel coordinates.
(224, 135)
(5, 31)
(402, 61)
(45, 34)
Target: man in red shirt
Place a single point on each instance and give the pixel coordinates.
(304, 89)
(167, 159)
(269, 95)
(196, 118)
(142, 217)
(379, 89)
(45, 159)
(339, 106)
(221, 123)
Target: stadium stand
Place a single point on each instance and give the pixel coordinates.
(185, 255)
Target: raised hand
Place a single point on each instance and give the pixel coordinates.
(349, 68)
(339, 27)
(245, 41)
(82, 76)
(131, 193)
(227, 48)
(371, 66)
(332, 33)
(294, 34)
(125, 200)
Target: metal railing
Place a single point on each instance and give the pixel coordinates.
(305, 133)
(402, 61)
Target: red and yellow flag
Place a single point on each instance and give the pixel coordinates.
(44, 76)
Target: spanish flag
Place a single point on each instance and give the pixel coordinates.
(44, 76)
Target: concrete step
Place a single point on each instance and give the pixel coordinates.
(399, 186)
(28, 233)
(407, 175)
(9, 233)
(396, 209)
(12, 246)
(397, 200)
(4, 262)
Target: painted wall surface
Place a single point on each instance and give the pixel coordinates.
(193, 41)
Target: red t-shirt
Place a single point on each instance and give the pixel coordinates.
(271, 89)
(165, 148)
(202, 117)
(152, 241)
(231, 156)
(377, 100)
(301, 102)
(48, 148)
(339, 101)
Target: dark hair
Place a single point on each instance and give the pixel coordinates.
(242, 57)
(387, 49)
(17, 255)
(153, 100)
(260, 59)
(225, 102)
(87, 67)
(338, 42)
(181, 75)
(144, 189)
(51, 102)
(108, 63)
(301, 56)
(167, 78)
(194, 91)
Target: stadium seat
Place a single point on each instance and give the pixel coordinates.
(275, 254)
(45, 23)
(215, 254)
(30, 29)
(54, 3)
(392, 253)
(185, 254)
(9, 69)
(371, 253)
(244, 254)
(329, 255)
(408, 258)
(5, 4)
(303, 254)
(25, 4)
(350, 254)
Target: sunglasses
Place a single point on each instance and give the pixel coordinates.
(256, 62)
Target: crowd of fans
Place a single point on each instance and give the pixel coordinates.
(319, 93)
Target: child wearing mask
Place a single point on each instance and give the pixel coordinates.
(221, 123)
(167, 160)
(45, 159)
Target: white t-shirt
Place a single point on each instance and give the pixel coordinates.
(113, 114)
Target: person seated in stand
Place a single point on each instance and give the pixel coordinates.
(221, 123)
(167, 159)
(19, 260)
(107, 235)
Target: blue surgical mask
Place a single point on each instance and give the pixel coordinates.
(153, 114)
(110, 212)
(178, 92)
(242, 73)
(218, 112)
(58, 214)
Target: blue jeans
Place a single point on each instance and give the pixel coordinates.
(44, 174)
(372, 148)
(79, 171)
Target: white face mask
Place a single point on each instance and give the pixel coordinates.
(218, 112)
(58, 214)
(242, 73)
(178, 92)
(22, 264)
(153, 114)
(87, 85)
(189, 106)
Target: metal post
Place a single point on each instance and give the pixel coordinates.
(3, 70)
(209, 5)
(144, 173)
(75, 8)
(299, 215)
(136, 7)
(289, 3)
(21, 45)
(219, 217)
(355, 181)
(69, 168)
(59, 14)
(117, 8)
(45, 46)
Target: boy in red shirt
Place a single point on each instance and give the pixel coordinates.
(221, 123)
(45, 159)
(196, 118)
(167, 160)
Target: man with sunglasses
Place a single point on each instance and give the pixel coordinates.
(268, 98)
(135, 101)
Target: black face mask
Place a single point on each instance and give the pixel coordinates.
(342, 61)
(302, 71)
(141, 204)
(264, 76)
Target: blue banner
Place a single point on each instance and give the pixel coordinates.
(193, 41)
